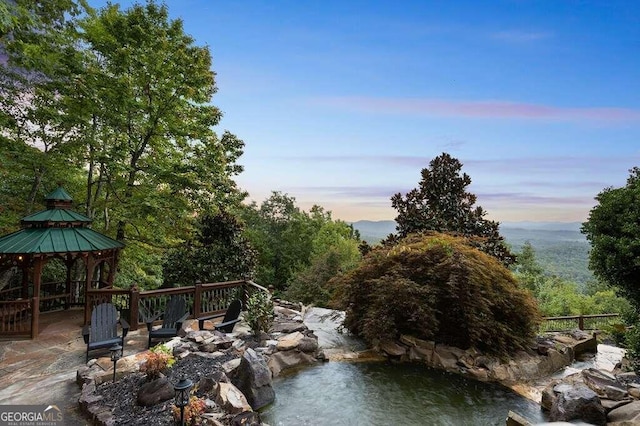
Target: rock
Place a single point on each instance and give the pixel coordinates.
(543, 347)
(629, 413)
(287, 327)
(586, 344)
(446, 357)
(604, 384)
(230, 366)
(231, 399)
(609, 404)
(308, 345)
(253, 378)
(155, 392)
(420, 354)
(548, 396)
(628, 378)
(285, 312)
(290, 341)
(479, 374)
(392, 348)
(205, 385)
(249, 418)
(223, 342)
(615, 393)
(288, 359)
(515, 419)
(578, 403)
(208, 347)
(634, 392)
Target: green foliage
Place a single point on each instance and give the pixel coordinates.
(259, 314)
(632, 343)
(441, 203)
(289, 241)
(310, 285)
(613, 228)
(334, 251)
(219, 253)
(117, 105)
(140, 264)
(438, 287)
(159, 359)
(560, 297)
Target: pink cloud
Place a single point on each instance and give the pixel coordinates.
(494, 109)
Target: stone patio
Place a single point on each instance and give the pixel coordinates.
(43, 370)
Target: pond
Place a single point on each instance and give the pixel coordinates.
(341, 393)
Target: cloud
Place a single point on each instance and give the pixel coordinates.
(482, 109)
(520, 198)
(349, 191)
(520, 36)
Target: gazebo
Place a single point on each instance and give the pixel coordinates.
(54, 233)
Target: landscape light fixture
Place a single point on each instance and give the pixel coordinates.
(116, 352)
(182, 389)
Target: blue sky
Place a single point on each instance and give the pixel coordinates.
(342, 103)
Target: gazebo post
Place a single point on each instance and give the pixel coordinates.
(25, 279)
(37, 278)
(69, 264)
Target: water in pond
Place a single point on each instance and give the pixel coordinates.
(340, 393)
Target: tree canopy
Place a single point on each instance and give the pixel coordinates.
(441, 203)
(437, 287)
(117, 105)
(613, 229)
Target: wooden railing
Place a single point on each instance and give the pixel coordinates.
(18, 318)
(202, 299)
(581, 322)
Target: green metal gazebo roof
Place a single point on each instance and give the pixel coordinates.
(56, 240)
(56, 215)
(59, 194)
(56, 230)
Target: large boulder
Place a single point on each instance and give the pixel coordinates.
(290, 341)
(253, 378)
(628, 414)
(604, 384)
(578, 403)
(288, 359)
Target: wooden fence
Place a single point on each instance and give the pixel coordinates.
(581, 322)
(202, 299)
(18, 318)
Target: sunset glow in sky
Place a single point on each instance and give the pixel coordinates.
(342, 103)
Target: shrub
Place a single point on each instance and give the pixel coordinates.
(438, 287)
(632, 340)
(192, 411)
(259, 313)
(159, 359)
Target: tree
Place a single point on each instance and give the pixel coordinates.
(117, 105)
(219, 253)
(38, 41)
(155, 156)
(441, 203)
(613, 229)
(283, 236)
(527, 269)
(437, 287)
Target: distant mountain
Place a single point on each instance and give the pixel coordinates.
(546, 226)
(560, 247)
(374, 231)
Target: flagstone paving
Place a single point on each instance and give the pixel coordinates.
(43, 370)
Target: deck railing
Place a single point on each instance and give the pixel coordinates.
(581, 322)
(202, 299)
(18, 318)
